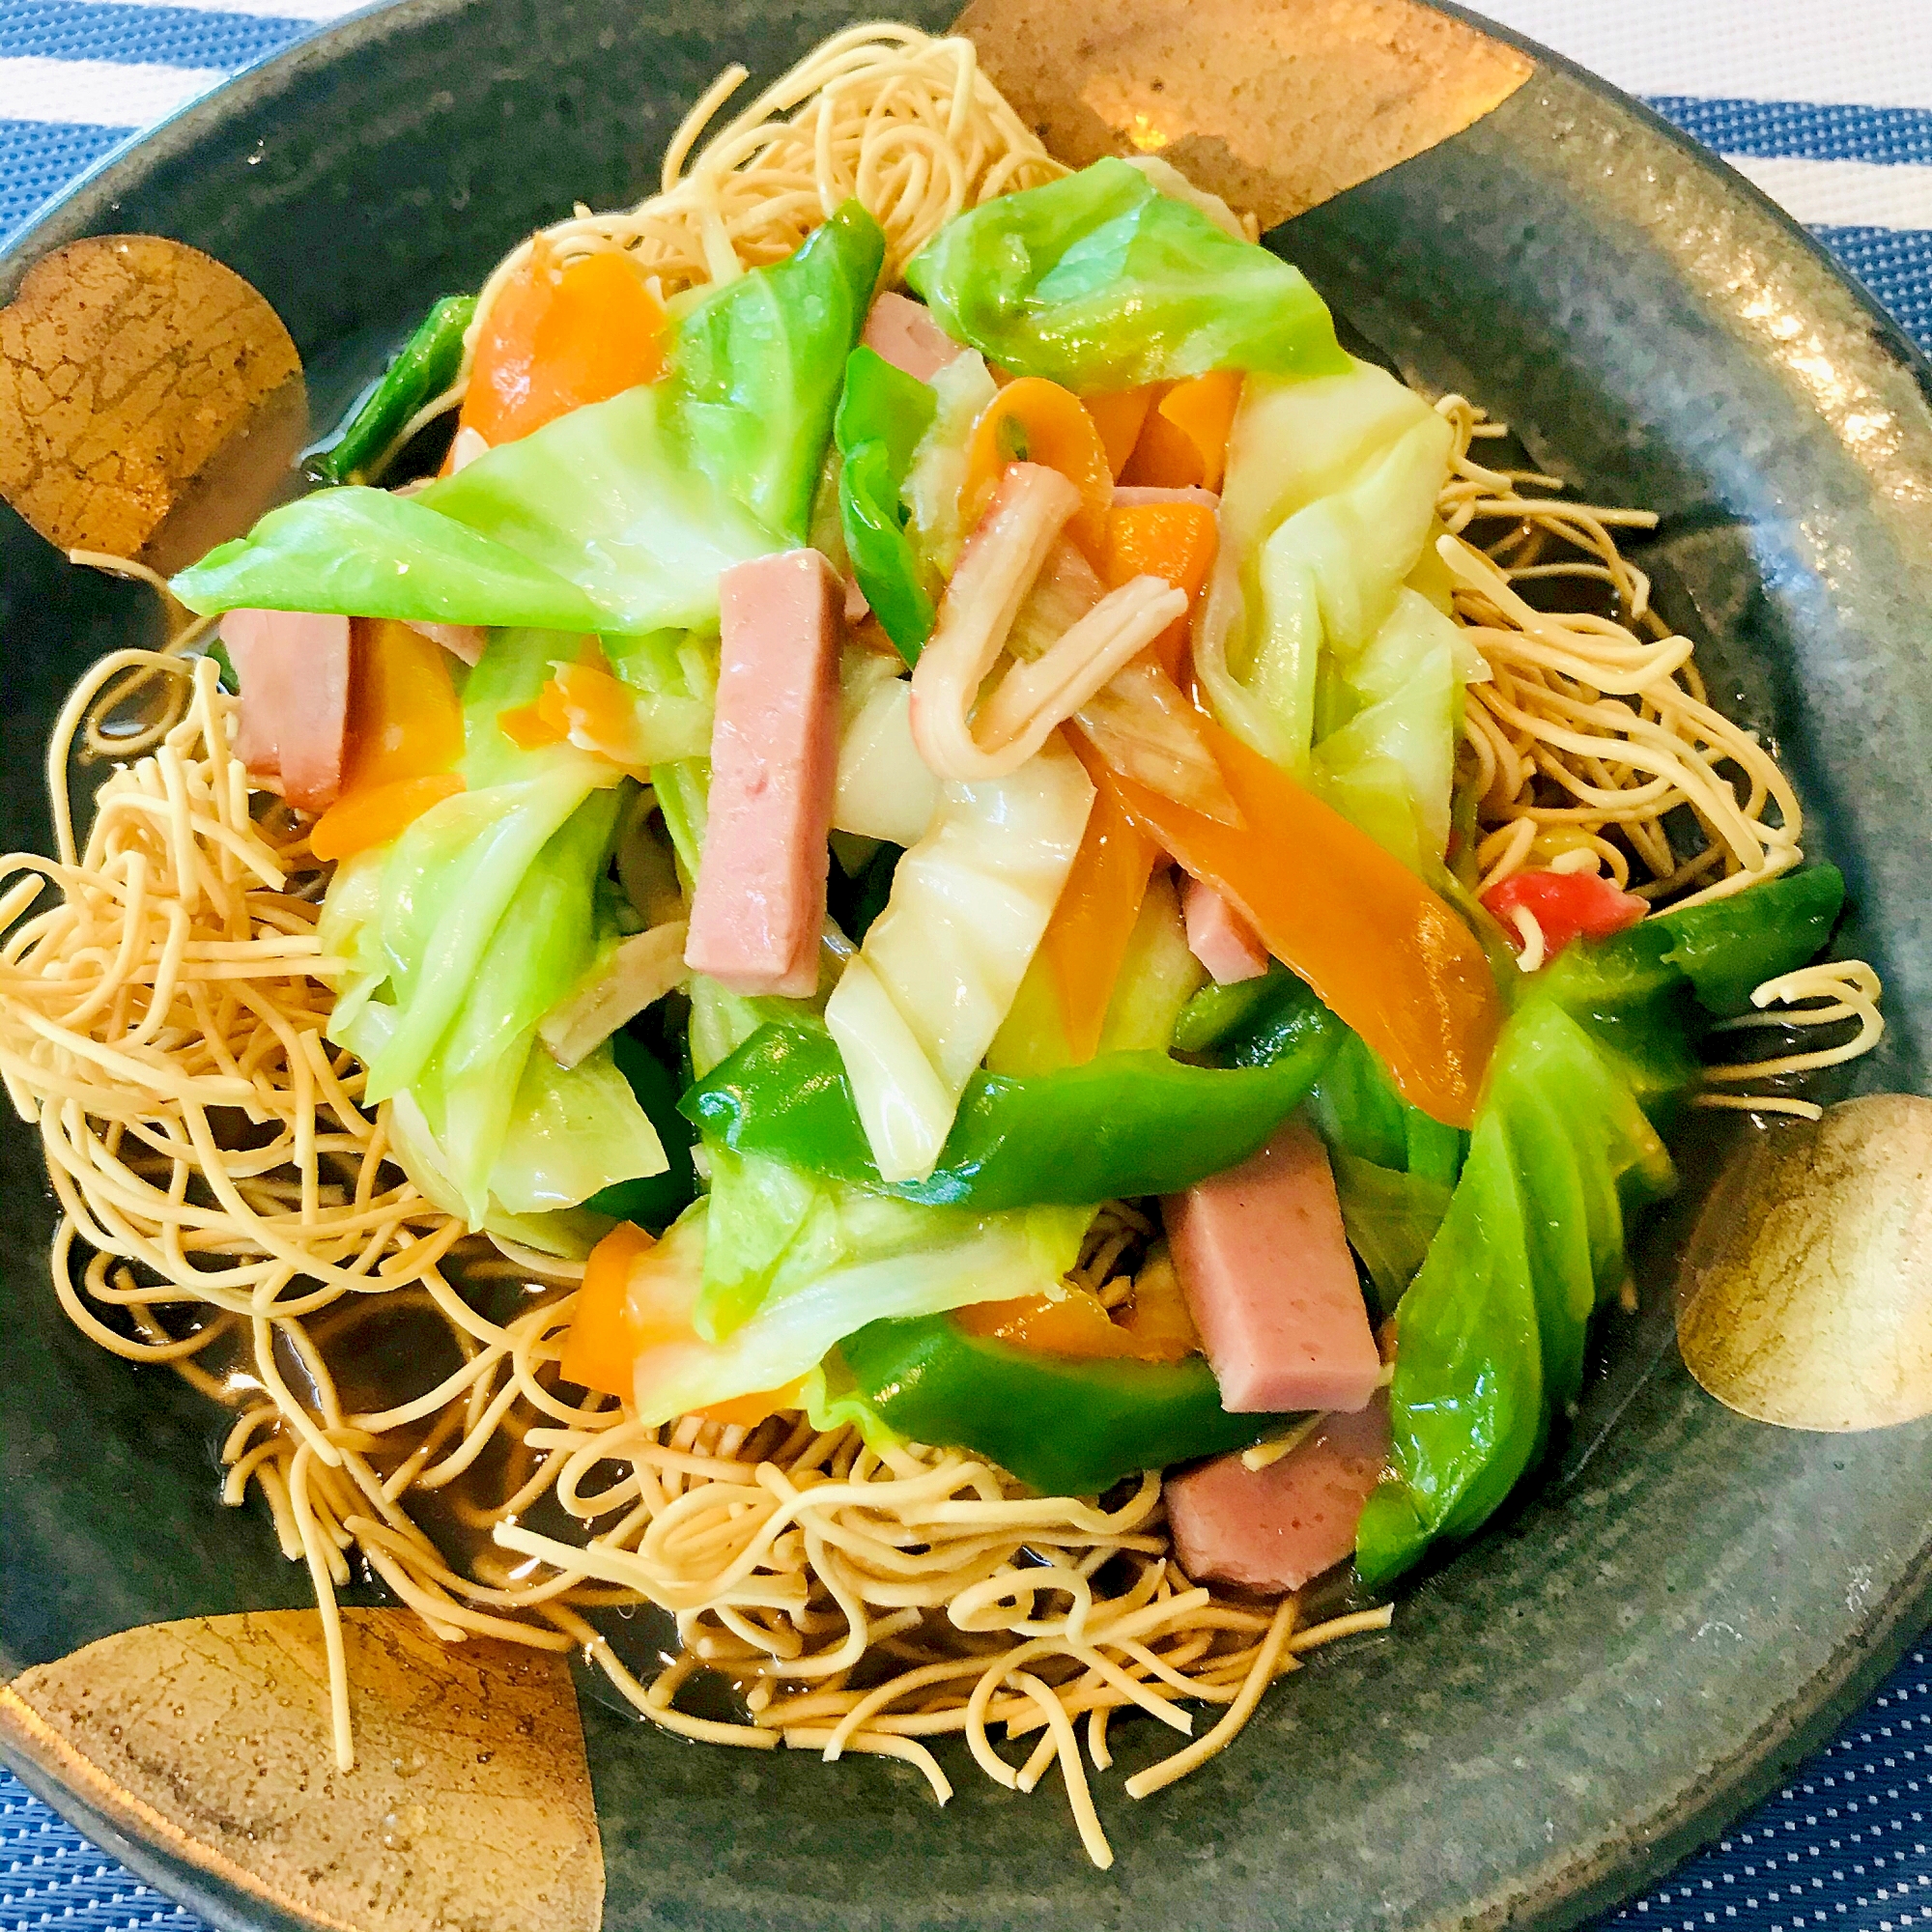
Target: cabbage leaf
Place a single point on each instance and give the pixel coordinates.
(1099, 282)
(617, 517)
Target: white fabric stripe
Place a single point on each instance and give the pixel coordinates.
(1865, 53)
(265, 9)
(1850, 193)
(105, 93)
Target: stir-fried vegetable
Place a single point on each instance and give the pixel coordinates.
(1308, 647)
(918, 1007)
(560, 337)
(1490, 1334)
(1182, 441)
(423, 369)
(1034, 421)
(890, 1271)
(1121, 1125)
(404, 736)
(1564, 906)
(933, 1381)
(882, 416)
(1093, 921)
(1389, 956)
(617, 517)
(1099, 282)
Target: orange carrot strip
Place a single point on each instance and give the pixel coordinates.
(601, 1347)
(1076, 1324)
(1383, 952)
(1119, 417)
(1086, 938)
(558, 338)
(377, 814)
(1173, 541)
(1033, 420)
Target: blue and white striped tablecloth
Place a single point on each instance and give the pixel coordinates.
(1827, 104)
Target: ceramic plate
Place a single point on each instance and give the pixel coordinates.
(1689, 1603)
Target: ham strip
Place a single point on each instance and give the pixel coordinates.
(1219, 937)
(294, 671)
(759, 905)
(903, 331)
(1272, 1530)
(1271, 1284)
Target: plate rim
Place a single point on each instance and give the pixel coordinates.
(1583, 1881)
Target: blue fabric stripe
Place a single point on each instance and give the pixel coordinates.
(1802, 130)
(163, 36)
(1896, 263)
(38, 159)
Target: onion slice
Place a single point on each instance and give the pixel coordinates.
(635, 974)
(1145, 729)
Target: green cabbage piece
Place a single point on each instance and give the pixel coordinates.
(909, 1261)
(617, 517)
(1313, 647)
(775, 1228)
(1099, 282)
(1490, 1333)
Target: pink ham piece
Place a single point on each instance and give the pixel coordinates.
(904, 333)
(1219, 937)
(294, 671)
(1272, 1530)
(1270, 1283)
(1127, 494)
(465, 641)
(759, 906)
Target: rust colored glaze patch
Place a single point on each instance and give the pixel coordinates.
(1275, 107)
(469, 1805)
(127, 361)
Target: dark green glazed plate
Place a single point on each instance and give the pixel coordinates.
(1693, 1600)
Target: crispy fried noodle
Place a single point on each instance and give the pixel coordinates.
(228, 1206)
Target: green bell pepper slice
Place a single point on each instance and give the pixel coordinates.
(882, 415)
(1647, 995)
(1124, 1123)
(1727, 947)
(1490, 1334)
(424, 369)
(1066, 1427)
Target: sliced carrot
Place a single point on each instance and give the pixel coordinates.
(374, 814)
(596, 711)
(560, 338)
(529, 727)
(747, 1412)
(1174, 542)
(404, 718)
(1074, 1325)
(1203, 411)
(1086, 938)
(602, 1344)
(1119, 418)
(607, 1335)
(1184, 441)
(1033, 420)
(404, 731)
(1388, 957)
